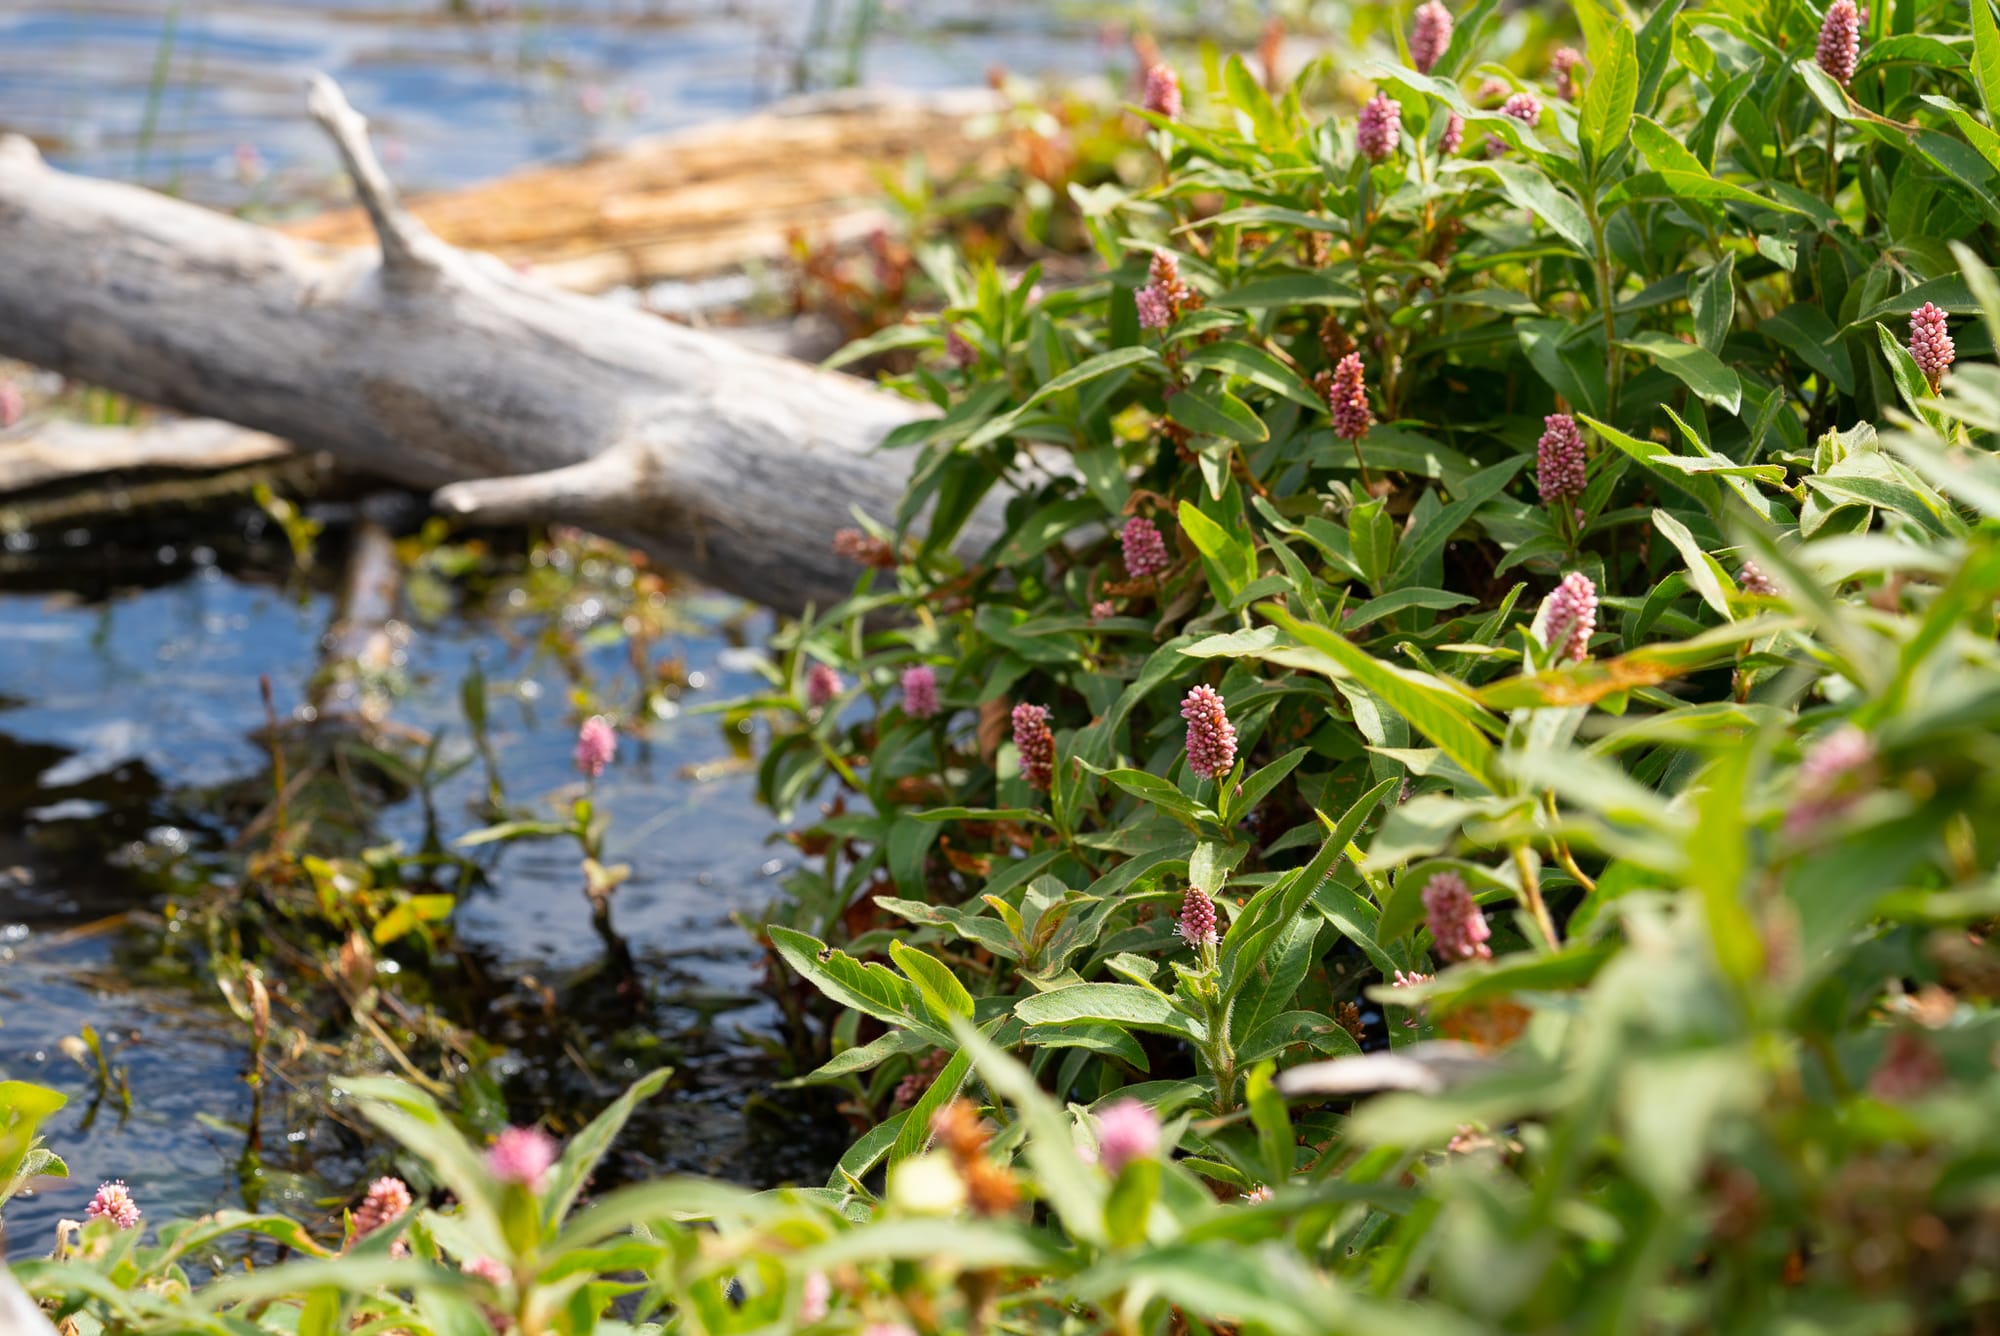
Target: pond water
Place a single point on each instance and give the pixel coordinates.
(207, 96)
(129, 747)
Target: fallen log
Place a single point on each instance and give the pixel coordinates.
(62, 451)
(442, 369)
(708, 200)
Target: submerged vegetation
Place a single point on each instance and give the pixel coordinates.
(1463, 799)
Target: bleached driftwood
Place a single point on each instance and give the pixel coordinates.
(58, 451)
(706, 200)
(442, 369)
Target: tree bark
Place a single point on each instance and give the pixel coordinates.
(442, 369)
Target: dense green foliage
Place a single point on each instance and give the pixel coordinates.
(1727, 1056)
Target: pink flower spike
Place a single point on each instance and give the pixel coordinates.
(822, 685)
(387, 1200)
(12, 404)
(1103, 608)
(1839, 49)
(1523, 107)
(1568, 618)
(1163, 92)
(113, 1202)
(1560, 470)
(815, 1297)
(1379, 127)
(1144, 549)
(1211, 738)
(596, 745)
(1430, 34)
(1126, 1131)
(961, 353)
(920, 698)
(484, 1268)
(521, 1155)
(1197, 921)
(1347, 399)
(1453, 137)
(1563, 66)
(1036, 745)
(1837, 771)
(1930, 343)
(1752, 580)
(1458, 928)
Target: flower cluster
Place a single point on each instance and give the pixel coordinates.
(1126, 1131)
(1379, 127)
(387, 1200)
(822, 685)
(1562, 67)
(1753, 580)
(1347, 399)
(920, 698)
(1930, 343)
(1523, 107)
(1197, 920)
(1144, 549)
(1839, 49)
(1430, 34)
(1163, 92)
(596, 745)
(1458, 928)
(1568, 617)
(1453, 136)
(1036, 744)
(1164, 297)
(522, 1156)
(1831, 779)
(113, 1202)
(864, 549)
(1560, 471)
(1211, 738)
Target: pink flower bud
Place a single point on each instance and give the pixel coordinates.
(1560, 470)
(1164, 296)
(1836, 772)
(1840, 41)
(920, 698)
(1163, 92)
(1453, 137)
(1753, 580)
(1126, 1131)
(113, 1202)
(961, 353)
(1458, 928)
(822, 685)
(521, 1155)
(596, 744)
(1563, 66)
(1379, 127)
(1036, 745)
(1568, 618)
(1430, 34)
(386, 1202)
(1197, 921)
(1347, 399)
(1145, 551)
(1211, 738)
(815, 1296)
(1103, 608)
(484, 1268)
(1930, 343)
(1523, 107)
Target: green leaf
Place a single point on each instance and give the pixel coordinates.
(1209, 410)
(870, 988)
(1230, 558)
(1441, 714)
(581, 1154)
(1235, 358)
(1696, 368)
(1528, 188)
(941, 990)
(1043, 529)
(1123, 1004)
(1609, 98)
(1297, 288)
(1713, 300)
(1986, 57)
(1804, 328)
(1705, 573)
